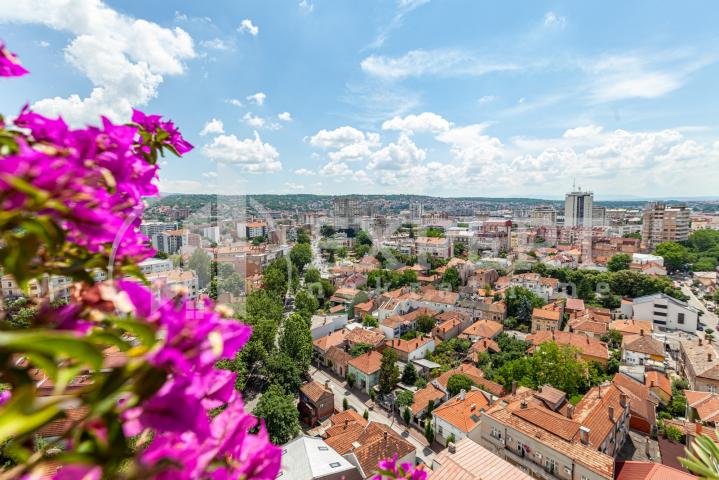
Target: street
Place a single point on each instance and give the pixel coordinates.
(340, 391)
(709, 319)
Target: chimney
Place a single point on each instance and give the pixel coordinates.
(385, 435)
(641, 332)
(347, 422)
(452, 447)
(327, 385)
(700, 342)
(623, 400)
(651, 384)
(473, 407)
(699, 428)
(523, 404)
(584, 435)
(611, 413)
(570, 411)
(709, 357)
(514, 387)
(540, 389)
(462, 393)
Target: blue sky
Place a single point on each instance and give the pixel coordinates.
(440, 97)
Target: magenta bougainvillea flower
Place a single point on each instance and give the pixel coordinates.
(9, 64)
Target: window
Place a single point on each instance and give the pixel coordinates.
(335, 464)
(659, 305)
(660, 314)
(680, 318)
(322, 448)
(495, 433)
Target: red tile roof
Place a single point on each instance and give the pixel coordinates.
(586, 345)
(649, 471)
(463, 413)
(367, 363)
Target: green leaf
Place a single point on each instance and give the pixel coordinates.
(54, 343)
(143, 331)
(21, 416)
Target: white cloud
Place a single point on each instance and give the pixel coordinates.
(234, 102)
(285, 116)
(487, 98)
(246, 26)
(471, 145)
(306, 6)
(397, 156)
(255, 121)
(583, 132)
(43, 44)
(215, 44)
(403, 8)
(257, 98)
(424, 122)
(294, 186)
(304, 172)
(210, 174)
(442, 62)
(552, 20)
(182, 186)
(250, 155)
(213, 127)
(124, 58)
(349, 143)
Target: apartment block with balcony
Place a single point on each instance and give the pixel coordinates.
(664, 223)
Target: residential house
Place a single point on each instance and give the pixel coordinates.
(655, 269)
(398, 325)
(578, 445)
(702, 407)
(548, 317)
(321, 346)
(481, 346)
(414, 349)
(432, 392)
(322, 325)
(699, 362)
(459, 417)
(590, 349)
(631, 470)
(365, 370)
(450, 324)
(589, 327)
(642, 403)
(468, 460)
(365, 445)
(474, 374)
(369, 336)
(310, 458)
(632, 327)
(482, 329)
(574, 307)
(665, 312)
(643, 350)
(176, 279)
(660, 386)
(544, 287)
(337, 359)
(363, 309)
(316, 402)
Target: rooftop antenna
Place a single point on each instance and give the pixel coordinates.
(574, 184)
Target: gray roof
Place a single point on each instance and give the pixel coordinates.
(423, 362)
(309, 458)
(663, 296)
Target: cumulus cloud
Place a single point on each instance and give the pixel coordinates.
(215, 44)
(213, 127)
(348, 143)
(255, 121)
(250, 155)
(210, 174)
(306, 7)
(552, 20)
(257, 98)
(583, 132)
(424, 122)
(397, 156)
(285, 116)
(124, 58)
(234, 102)
(440, 62)
(304, 172)
(246, 26)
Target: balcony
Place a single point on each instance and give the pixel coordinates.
(526, 463)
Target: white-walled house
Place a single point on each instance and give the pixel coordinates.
(664, 311)
(459, 417)
(323, 325)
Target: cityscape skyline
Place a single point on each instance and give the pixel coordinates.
(415, 97)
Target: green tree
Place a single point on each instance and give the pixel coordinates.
(281, 369)
(425, 323)
(363, 238)
(370, 321)
(450, 439)
(435, 232)
(303, 236)
(407, 415)
(360, 349)
(703, 240)
(301, 255)
(312, 275)
(350, 380)
(233, 283)
(428, 431)
(451, 277)
(459, 249)
(200, 262)
(409, 374)
(306, 304)
(277, 277)
(345, 404)
(620, 261)
(705, 264)
(264, 314)
(365, 415)
(457, 383)
(280, 414)
(613, 338)
(524, 311)
(404, 398)
(516, 296)
(388, 371)
(676, 256)
(296, 341)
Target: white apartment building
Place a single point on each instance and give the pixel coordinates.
(186, 280)
(664, 311)
(155, 265)
(435, 247)
(578, 209)
(664, 223)
(212, 233)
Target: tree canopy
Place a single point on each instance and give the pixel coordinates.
(280, 414)
(620, 261)
(457, 383)
(388, 371)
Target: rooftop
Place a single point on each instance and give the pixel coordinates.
(471, 461)
(367, 363)
(309, 458)
(586, 345)
(463, 410)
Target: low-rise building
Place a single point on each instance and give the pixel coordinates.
(548, 317)
(397, 325)
(468, 460)
(177, 279)
(433, 247)
(642, 403)
(323, 325)
(699, 362)
(632, 327)
(365, 370)
(450, 324)
(414, 349)
(482, 329)
(664, 311)
(316, 402)
(702, 407)
(310, 458)
(459, 417)
(590, 349)
(643, 350)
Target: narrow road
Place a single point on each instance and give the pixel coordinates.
(424, 454)
(709, 319)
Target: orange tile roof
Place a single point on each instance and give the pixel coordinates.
(439, 296)
(574, 304)
(592, 411)
(367, 363)
(633, 327)
(407, 346)
(483, 345)
(365, 335)
(377, 442)
(649, 471)
(546, 419)
(586, 345)
(338, 337)
(347, 415)
(588, 325)
(337, 356)
(408, 318)
(643, 344)
(548, 312)
(705, 403)
(314, 390)
(471, 461)
(474, 373)
(423, 396)
(484, 329)
(463, 413)
(659, 380)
